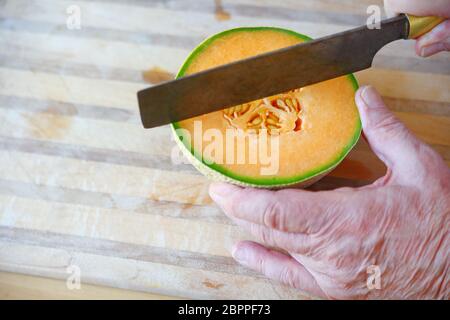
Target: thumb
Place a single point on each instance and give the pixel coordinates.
(393, 143)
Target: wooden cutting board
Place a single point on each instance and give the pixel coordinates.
(82, 184)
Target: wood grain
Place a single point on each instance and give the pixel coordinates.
(81, 183)
(14, 286)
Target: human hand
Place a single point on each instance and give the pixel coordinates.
(436, 40)
(399, 223)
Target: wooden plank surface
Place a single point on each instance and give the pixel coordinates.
(15, 286)
(82, 184)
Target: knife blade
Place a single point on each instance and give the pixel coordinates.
(267, 74)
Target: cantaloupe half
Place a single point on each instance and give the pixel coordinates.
(316, 126)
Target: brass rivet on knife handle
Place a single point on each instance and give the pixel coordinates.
(418, 26)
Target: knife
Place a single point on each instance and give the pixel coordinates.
(274, 72)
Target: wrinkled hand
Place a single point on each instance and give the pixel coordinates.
(399, 223)
(436, 40)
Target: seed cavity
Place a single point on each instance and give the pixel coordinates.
(277, 114)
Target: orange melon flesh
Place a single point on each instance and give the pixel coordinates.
(330, 124)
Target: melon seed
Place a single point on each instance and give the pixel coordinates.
(272, 127)
(272, 119)
(245, 108)
(230, 111)
(257, 120)
(289, 103)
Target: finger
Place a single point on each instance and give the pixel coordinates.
(440, 33)
(293, 242)
(435, 41)
(276, 266)
(435, 48)
(439, 8)
(285, 210)
(393, 143)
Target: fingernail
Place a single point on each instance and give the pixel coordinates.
(371, 97)
(218, 191)
(427, 51)
(423, 52)
(239, 254)
(431, 49)
(436, 35)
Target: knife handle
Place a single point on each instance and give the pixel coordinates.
(418, 26)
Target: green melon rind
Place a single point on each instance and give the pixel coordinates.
(218, 173)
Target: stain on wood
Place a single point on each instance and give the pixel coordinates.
(157, 75)
(212, 285)
(194, 190)
(65, 110)
(220, 13)
(48, 125)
